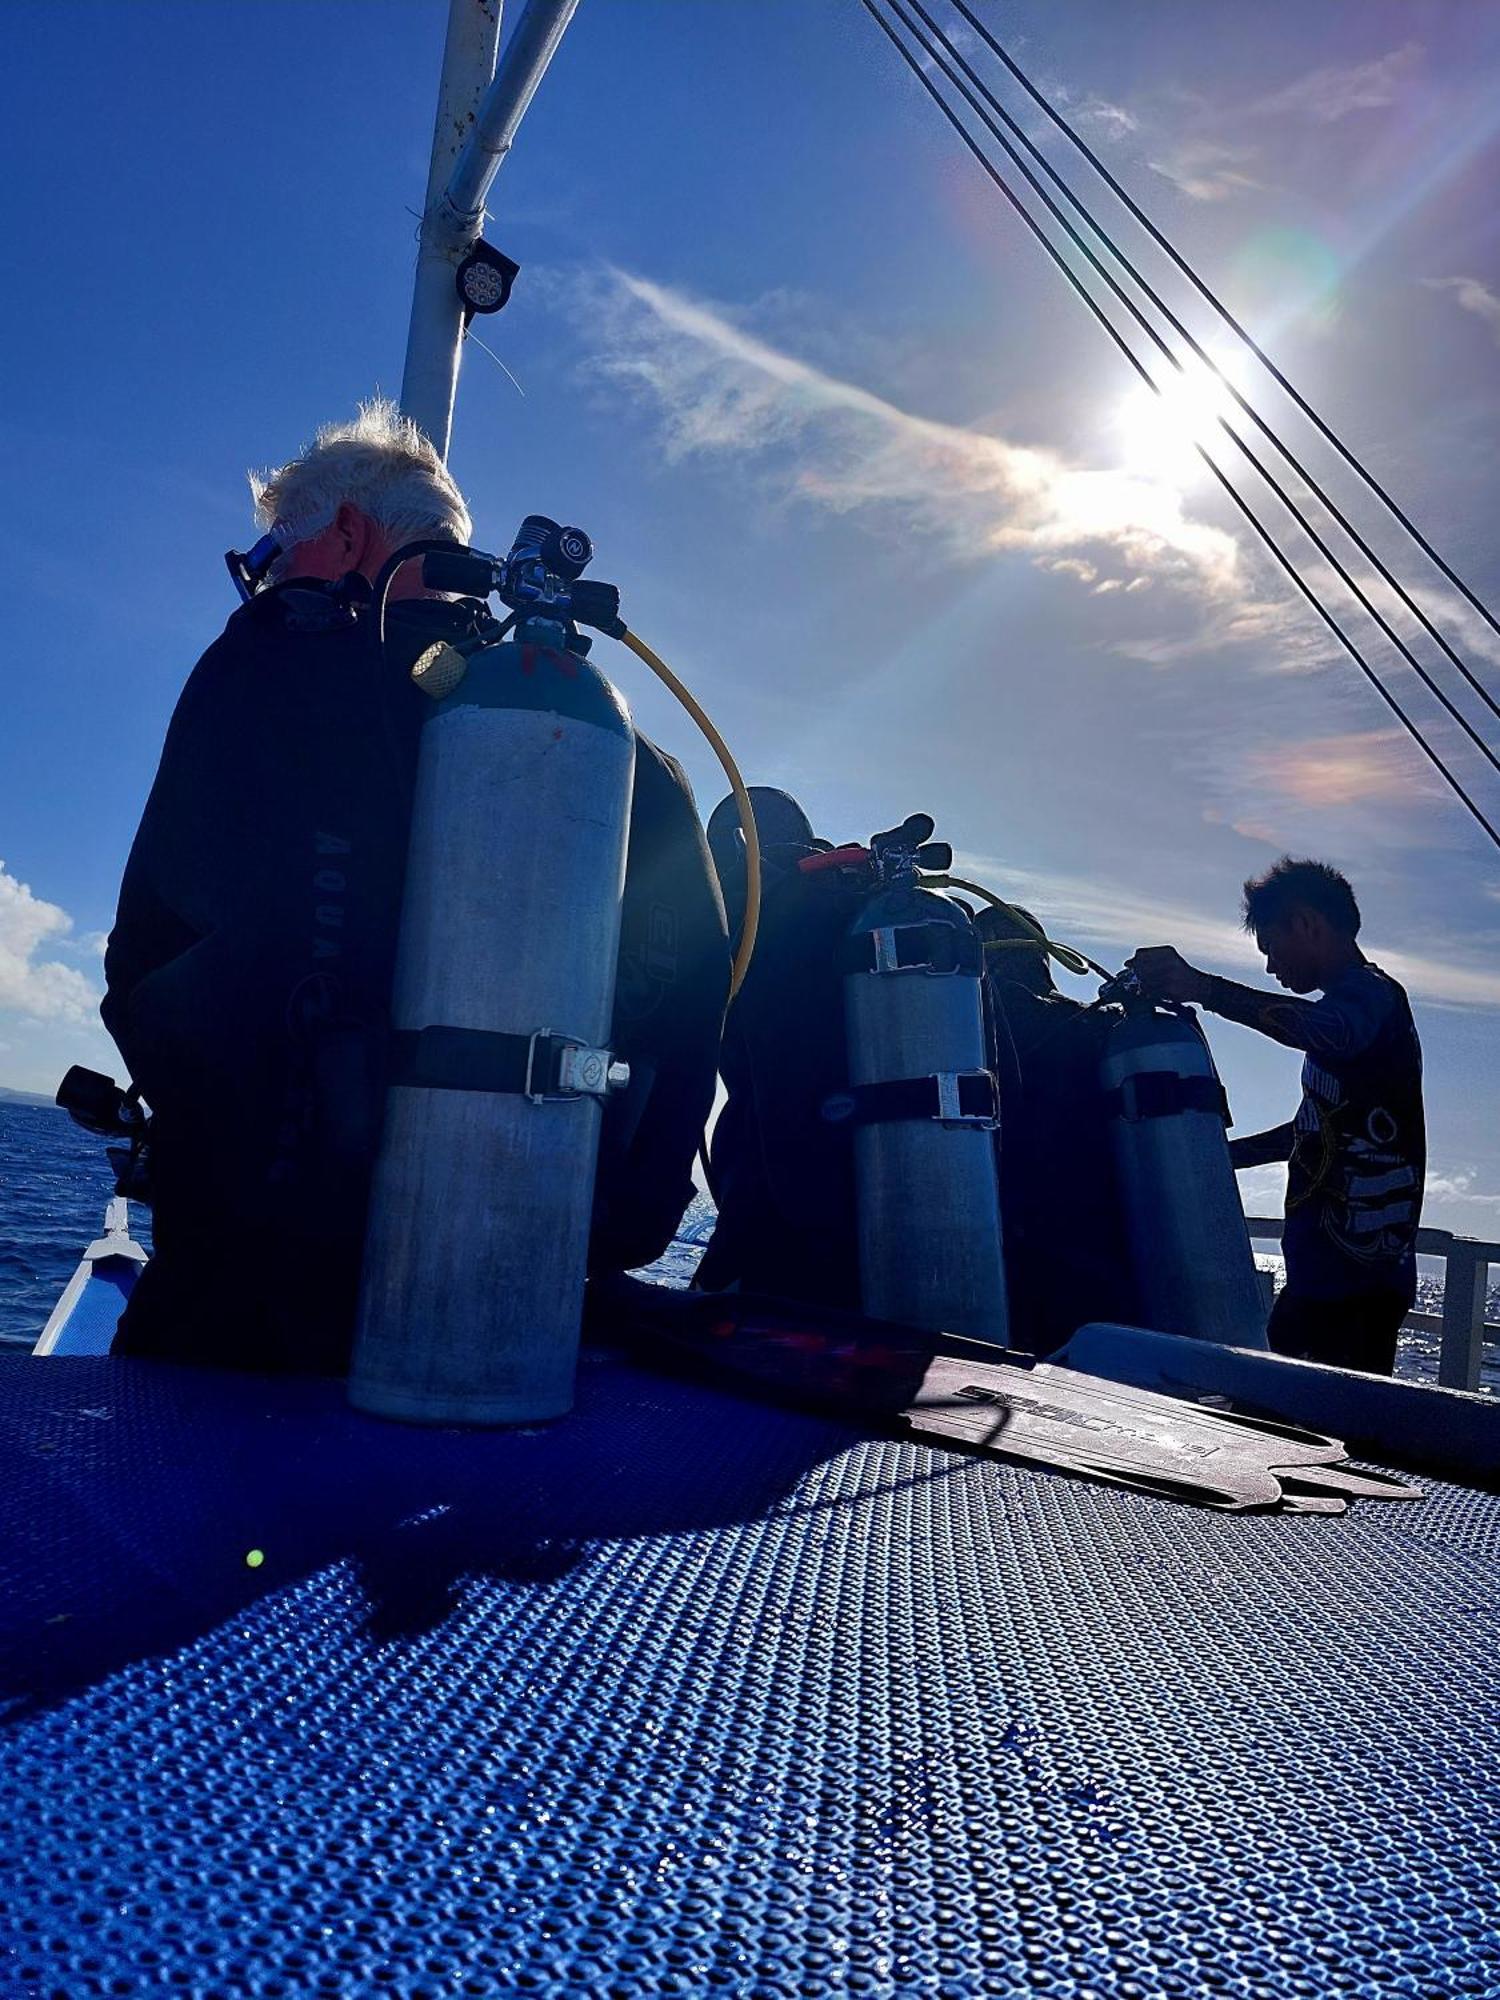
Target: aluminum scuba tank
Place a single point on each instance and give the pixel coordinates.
(923, 1102)
(477, 1242)
(1190, 1251)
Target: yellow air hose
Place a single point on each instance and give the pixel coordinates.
(745, 949)
(1037, 939)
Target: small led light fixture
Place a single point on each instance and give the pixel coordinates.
(484, 279)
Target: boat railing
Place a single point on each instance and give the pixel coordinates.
(1466, 1283)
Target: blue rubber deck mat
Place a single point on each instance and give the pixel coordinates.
(690, 1695)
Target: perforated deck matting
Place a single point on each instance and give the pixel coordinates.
(692, 1696)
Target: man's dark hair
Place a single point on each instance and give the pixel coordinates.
(1307, 885)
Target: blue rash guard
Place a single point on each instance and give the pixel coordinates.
(1358, 1147)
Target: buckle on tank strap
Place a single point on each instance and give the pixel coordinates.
(545, 1067)
(947, 1097)
(929, 948)
(558, 1068)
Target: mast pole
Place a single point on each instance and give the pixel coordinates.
(479, 109)
(431, 373)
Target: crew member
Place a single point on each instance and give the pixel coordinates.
(1357, 1146)
(249, 969)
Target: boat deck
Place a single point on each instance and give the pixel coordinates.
(691, 1695)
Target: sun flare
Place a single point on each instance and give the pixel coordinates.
(1158, 433)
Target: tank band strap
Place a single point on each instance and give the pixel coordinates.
(535, 1066)
(913, 947)
(954, 1097)
(1162, 1093)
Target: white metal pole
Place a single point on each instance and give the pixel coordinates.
(431, 373)
(527, 55)
(455, 213)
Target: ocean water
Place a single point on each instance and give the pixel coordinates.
(55, 1182)
(54, 1185)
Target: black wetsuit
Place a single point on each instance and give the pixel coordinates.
(249, 971)
(1066, 1259)
(784, 1177)
(1357, 1151)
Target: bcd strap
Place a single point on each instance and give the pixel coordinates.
(534, 1066)
(1162, 1093)
(908, 947)
(953, 1097)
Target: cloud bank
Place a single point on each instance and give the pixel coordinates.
(1328, 95)
(32, 982)
(718, 388)
(1111, 918)
(1474, 298)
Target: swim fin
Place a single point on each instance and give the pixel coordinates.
(966, 1393)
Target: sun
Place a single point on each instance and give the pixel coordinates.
(1158, 434)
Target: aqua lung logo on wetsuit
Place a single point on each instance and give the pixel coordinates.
(329, 885)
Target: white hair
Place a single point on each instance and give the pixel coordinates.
(381, 463)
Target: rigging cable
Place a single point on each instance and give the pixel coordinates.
(1169, 355)
(1231, 388)
(1289, 388)
(1114, 333)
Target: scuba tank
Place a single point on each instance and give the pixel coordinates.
(782, 1178)
(1066, 1256)
(477, 1241)
(922, 1100)
(1189, 1248)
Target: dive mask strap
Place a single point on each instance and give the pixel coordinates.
(248, 571)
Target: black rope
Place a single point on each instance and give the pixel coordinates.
(1114, 333)
(1224, 424)
(1208, 361)
(1212, 298)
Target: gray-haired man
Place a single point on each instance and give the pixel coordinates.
(249, 969)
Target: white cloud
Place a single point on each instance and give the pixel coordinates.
(1262, 1189)
(1365, 766)
(720, 388)
(1220, 149)
(1113, 119)
(32, 982)
(1474, 298)
(1457, 1185)
(959, 38)
(1327, 95)
(1208, 169)
(1110, 919)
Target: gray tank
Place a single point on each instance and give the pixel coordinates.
(926, 1110)
(1190, 1251)
(477, 1243)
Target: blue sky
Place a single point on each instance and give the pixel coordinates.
(865, 471)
